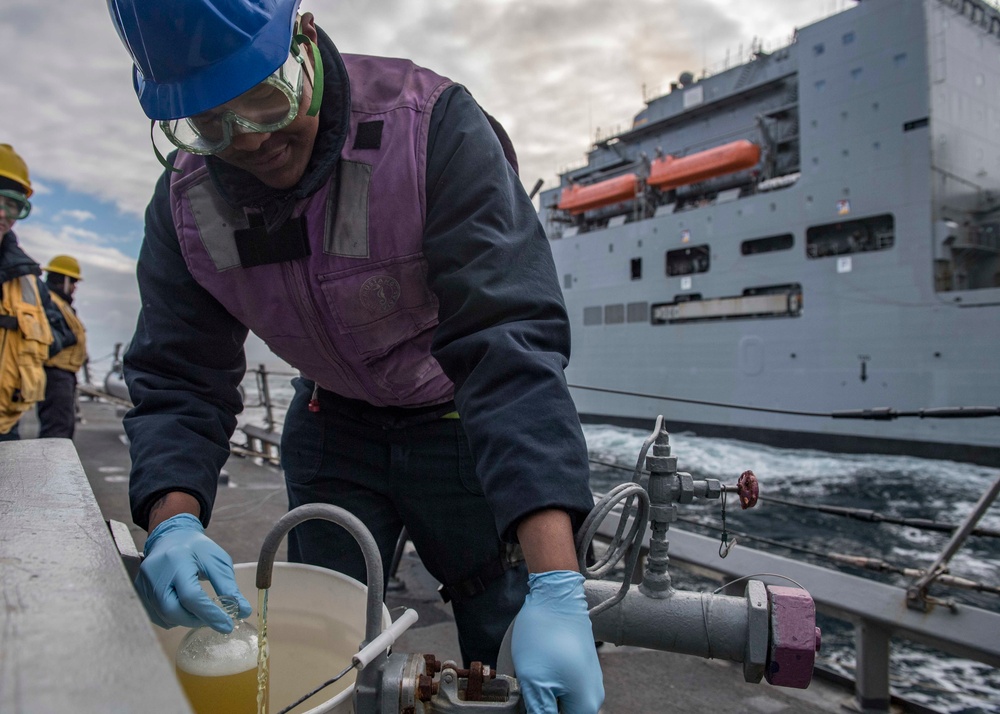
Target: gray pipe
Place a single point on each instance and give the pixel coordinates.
(354, 526)
(702, 624)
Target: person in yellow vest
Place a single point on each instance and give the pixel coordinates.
(32, 329)
(57, 412)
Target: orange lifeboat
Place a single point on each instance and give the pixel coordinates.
(669, 172)
(577, 199)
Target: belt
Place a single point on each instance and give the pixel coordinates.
(380, 416)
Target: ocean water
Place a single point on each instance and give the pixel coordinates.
(895, 486)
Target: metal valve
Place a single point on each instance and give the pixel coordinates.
(748, 489)
(421, 684)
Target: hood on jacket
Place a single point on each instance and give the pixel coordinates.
(241, 189)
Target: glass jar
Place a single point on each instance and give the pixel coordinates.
(219, 671)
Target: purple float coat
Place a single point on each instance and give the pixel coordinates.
(493, 322)
(356, 316)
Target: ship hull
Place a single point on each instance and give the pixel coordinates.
(863, 273)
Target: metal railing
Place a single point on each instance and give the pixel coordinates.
(263, 442)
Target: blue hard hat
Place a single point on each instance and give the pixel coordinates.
(192, 55)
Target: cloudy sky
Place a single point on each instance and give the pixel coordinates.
(555, 72)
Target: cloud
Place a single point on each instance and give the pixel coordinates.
(38, 188)
(553, 72)
(75, 215)
(69, 109)
(556, 72)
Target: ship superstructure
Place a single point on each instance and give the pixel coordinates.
(815, 230)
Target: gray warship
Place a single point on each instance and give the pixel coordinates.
(802, 249)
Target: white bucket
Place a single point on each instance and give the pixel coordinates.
(315, 624)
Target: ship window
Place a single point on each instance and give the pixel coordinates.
(685, 261)
(783, 289)
(637, 311)
(636, 267)
(819, 49)
(687, 297)
(568, 281)
(848, 38)
(767, 245)
(863, 235)
(900, 59)
(765, 302)
(614, 314)
(592, 315)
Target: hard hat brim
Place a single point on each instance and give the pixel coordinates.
(65, 265)
(19, 180)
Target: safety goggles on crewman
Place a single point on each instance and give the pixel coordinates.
(210, 70)
(14, 204)
(269, 106)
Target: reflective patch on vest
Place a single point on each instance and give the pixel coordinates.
(379, 294)
(347, 213)
(22, 350)
(217, 224)
(27, 290)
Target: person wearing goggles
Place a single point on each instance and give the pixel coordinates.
(32, 329)
(268, 107)
(358, 214)
(14, 206)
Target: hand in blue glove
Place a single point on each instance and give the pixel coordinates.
(177, 553)
(553, 647)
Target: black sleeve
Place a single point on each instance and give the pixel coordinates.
(503, 336)
(183, 368)
(62, 335)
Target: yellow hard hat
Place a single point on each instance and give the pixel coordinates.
(13, 167)
(65, 265)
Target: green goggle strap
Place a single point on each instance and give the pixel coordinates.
(314, 105)
(317, 82)
(160, 157)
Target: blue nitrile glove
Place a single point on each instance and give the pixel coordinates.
(553, 648)
(177, 553)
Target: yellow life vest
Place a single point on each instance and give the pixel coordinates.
(73, 357)
(22, 351)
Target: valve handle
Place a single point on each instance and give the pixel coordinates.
(385, 640)
(748, 489)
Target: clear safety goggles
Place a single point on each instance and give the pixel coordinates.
(269, 106)
(14, 205)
